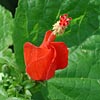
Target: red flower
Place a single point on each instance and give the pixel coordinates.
(41, 62)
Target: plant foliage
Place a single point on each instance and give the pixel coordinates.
(81, 79)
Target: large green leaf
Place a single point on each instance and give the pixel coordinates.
(6, 28)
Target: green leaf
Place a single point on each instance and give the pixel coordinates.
(74, 89)
(6, 56)
(3, 94)
(2, 97)
(6, 28)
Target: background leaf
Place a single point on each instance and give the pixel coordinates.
(6, 29)
(2, 97)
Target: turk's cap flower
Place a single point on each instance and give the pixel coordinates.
(42, 62)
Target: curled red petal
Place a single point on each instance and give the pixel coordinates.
(49, 37)
(27, 52)
(48, 33)
(61, 60)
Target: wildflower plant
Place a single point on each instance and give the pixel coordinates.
(39, 61)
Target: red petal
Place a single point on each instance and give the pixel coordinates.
(38, 62)
(48, 33)
(27, 52)
(61, 60)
